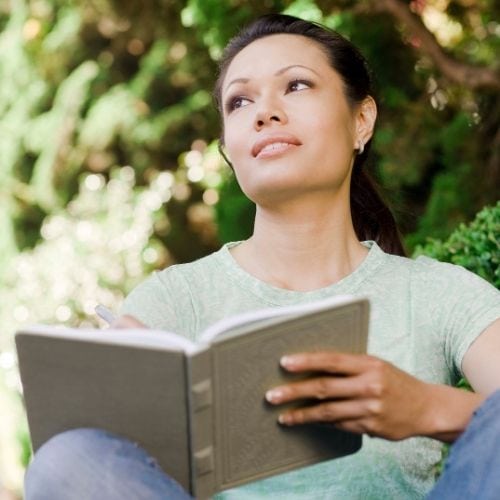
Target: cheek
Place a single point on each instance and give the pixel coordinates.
(333, 130)
(236, 143)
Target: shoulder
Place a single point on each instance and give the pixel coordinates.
(198, 277)
(165, 299)
(200, 270)
(174, 280)
(447, 294)
(430, 272)
(429, 284)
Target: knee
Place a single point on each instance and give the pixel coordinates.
(60, 463)
(67, 447)
(93, 463)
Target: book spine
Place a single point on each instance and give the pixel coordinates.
(201, 425)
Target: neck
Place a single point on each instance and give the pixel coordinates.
(302, 246)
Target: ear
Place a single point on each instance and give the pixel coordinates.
(366, 117)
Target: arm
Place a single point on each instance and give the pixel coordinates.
(481, 363)
(364, 394)
(481, 367)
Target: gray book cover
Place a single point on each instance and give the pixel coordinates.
(198, 409)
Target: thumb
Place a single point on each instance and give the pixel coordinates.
(127, 321)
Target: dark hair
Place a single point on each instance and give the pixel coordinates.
(372, 219)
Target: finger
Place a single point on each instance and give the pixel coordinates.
(331, 411)
(318, 388)
(372, 428)
(330, 362)
(356, 425)
(127, 321)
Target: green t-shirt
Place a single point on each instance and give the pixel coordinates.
(424, 316)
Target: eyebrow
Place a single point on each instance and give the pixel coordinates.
(278, 73)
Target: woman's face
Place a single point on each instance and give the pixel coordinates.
(288, 127)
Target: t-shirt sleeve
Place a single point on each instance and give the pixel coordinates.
(462, 305)
(161, 302)
(151, 304)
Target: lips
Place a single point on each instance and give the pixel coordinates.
(274, 142)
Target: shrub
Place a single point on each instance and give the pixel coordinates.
(475, 246)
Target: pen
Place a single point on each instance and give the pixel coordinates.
(104, 313)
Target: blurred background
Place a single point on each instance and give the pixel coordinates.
(108, 158)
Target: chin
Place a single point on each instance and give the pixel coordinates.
(273, 193)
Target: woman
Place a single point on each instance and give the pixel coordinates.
(298, 117)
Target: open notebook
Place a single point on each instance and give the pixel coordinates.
(199, 409)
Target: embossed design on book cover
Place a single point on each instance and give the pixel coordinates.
(250, 441)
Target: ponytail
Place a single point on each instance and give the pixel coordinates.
(371, 217)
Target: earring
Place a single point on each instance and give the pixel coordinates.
(361, 147)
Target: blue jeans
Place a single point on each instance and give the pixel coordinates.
(472, 470)
(91, 464)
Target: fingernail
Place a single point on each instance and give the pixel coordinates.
(287, 361)
(284, 419)
(274, 395)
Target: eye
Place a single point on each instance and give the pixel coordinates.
(236, 102)
(296, 85)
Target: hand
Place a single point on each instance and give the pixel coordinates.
(127, 321)
(357, 393)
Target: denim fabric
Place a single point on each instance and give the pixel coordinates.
(91, 464)
(472, 470)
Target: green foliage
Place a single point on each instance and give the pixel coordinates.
(305, 9)
(475, 246)
(23, 438)
(210, 17)
(95, 250)
(84, 89)
(234, 213)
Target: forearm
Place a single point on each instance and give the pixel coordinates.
(448, 412)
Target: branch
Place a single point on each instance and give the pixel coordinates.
(471, 76)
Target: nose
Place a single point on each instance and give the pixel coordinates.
(269, 113)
